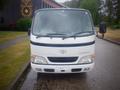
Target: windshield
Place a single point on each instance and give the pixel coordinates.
(62, 23)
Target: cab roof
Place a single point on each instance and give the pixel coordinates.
(48, 9)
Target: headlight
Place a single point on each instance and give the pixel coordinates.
(86, 59)
(38, 60)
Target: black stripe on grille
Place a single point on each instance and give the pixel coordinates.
(62, 59)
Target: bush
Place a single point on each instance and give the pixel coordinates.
(116, 25)
(24, 23)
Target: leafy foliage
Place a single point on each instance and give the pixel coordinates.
(24, 23)
(72, 3)
(92, 6)
(113, 13)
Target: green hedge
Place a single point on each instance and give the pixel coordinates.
(116, 25)
(24, 23)
(21, 25)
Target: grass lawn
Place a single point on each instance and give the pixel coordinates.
(12, 60)
(112, 34)
(9, 35)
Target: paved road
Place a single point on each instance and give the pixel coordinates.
(105, 75)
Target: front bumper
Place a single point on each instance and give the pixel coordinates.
(66, 68)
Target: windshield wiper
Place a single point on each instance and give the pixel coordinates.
(64, 36)
(79, 33)
(50, 35)
(54, 34)
(86, 32)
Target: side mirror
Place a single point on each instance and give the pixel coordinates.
(29, 31)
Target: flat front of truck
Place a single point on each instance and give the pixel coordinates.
(62, 41)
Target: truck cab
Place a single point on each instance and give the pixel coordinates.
(62, 40)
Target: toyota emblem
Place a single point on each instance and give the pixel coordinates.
(62, 51)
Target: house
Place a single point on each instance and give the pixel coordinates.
(16, 9)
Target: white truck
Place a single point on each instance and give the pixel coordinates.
(62, 40)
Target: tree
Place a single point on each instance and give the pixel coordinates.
(113, 13)
(72, 3)
(92, 6)
(118, 11)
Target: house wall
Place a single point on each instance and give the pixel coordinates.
(12, 11)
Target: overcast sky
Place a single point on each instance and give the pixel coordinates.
(61, 1)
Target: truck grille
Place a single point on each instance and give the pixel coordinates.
(62, 59)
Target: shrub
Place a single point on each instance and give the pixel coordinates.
(24, 23)
(116, 25)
